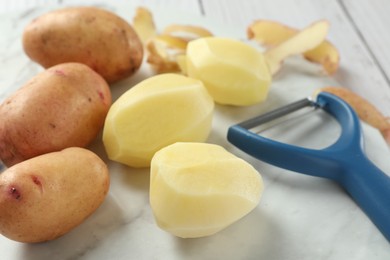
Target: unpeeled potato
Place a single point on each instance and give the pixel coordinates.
(93, 36)
(61, 107)
(47, 196)
(198, 189)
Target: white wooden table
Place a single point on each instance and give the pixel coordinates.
(359, 29)
(299, 217)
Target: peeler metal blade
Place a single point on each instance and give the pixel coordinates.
(282, 111)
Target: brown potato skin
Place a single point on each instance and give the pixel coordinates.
(61, 107)
(49, 195)
(96, 37)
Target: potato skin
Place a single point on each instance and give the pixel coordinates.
(47, 196)
(61, 107)
(96, 37)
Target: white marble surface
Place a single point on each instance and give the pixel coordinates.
(299, 217)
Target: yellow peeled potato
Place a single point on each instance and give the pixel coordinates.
(159, 111)
(47, 196)
(233, 72)
(198, 189)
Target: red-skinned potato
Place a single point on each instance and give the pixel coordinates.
(61, 107)
(89, 35)
(47, 196)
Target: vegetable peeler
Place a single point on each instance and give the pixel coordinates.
(344, 161)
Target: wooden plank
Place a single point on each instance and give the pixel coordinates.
(190, 6)
(364, 60)
(358, 70)
(372, 20)
(9, 6)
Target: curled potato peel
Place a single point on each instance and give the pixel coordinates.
(277, 37)
(164, 48)
(365, 110)
(159, 57)
(143, 24)
(191, 31)
(270, 33)
(325, 54)
(303, 41)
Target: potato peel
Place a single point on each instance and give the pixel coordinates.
(172, 42)
(282, 41)
(305, 40)
(143, 24)
(163, 49)
(270, 34)
(365, 110)
(159, 58)
(189, 32)
(325, 54)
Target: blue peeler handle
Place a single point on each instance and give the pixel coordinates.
(344, 161)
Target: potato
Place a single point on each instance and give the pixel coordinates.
(198, 189)
(89, 35)
(159, 111)
(61, 107)
(233, 72)
(47, 196)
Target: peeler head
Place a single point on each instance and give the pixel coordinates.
(309, 161)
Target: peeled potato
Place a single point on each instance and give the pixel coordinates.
(198, 189)
(159, 111)
(233, 72)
